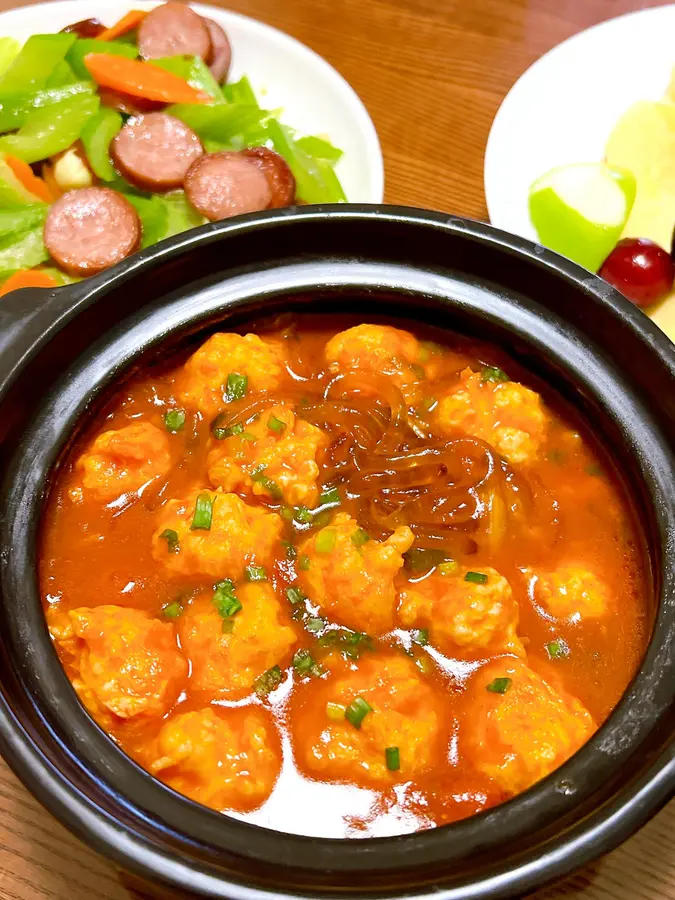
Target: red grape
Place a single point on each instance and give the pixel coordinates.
(640, 269)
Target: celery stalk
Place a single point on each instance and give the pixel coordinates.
(240, 92)
(223, 123)
(15, 108)
(194, 71)
(97, 133)
(36, 61)
(12, 193)
(318, 147)
(9, 50)
(26, 218)
(154, 215)
(50, 130)
(82, 46)
(23, 251)
(316, 181)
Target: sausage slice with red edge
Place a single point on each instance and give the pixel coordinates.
(89, 229)
(279, 176)
(221, 56)
(226, 184)
(173, 30)
(126, 103)
(154, 151)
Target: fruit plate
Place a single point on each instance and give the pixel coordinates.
(284, 73)
(564, 107)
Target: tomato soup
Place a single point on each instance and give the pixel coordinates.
(343, 579)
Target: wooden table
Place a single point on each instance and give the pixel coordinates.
(432, 74)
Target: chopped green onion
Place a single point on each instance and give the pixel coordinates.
(174, 420)
(430, 403)
(329, 496)
(476, 577)
(422, 559)
(255, 573)
(305, 664)
(555, 455)
(325, 540)
(420, 636)
(259, 477)
(171, 538)
(203, 513)
(360, 537)
(275, 424)
(593, 469)
(237, 387)
(249, 436)
(357, 710)
(500, 685)
(172, 610)
(335, 711)
(424, 664)
(291, 550)
(295, 595)
(304, 562)
(302, 514)
(418, 372)
(449, 567)
(350, 643)
(237, 428)
(268, 681)
(220, 431)
(314, 624)
(492, 373)
(393, 758)
(323, 518)
(557, 649)
(225, 600)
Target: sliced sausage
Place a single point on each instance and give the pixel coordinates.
(221, 51)
(154, 152)
(125, 103)
(87, 28)
(226, 184)
(279, 176)
(173, 30)
(90, 229)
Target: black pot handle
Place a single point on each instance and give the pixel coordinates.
(29, 317)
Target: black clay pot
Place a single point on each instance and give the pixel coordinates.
(62, 351)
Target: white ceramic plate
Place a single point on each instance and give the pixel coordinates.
(564, 107)
(285, 74)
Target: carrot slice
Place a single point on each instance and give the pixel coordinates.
(127, 23)
(27, 278)
(29, 180)
(141, 79)
(50, 180)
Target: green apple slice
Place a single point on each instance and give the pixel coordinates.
(580, 210)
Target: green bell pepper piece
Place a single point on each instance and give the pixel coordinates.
(36, 61)
(240, 92)
(224, 123)
(82, 46)
(97, 133)
(194, 71)
(15, 108)
(50, 130)
(24, 250)
(315, 178)
(9, 50)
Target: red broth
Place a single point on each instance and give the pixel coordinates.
(419, 590)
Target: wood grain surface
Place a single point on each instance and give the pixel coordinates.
(432, 74)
